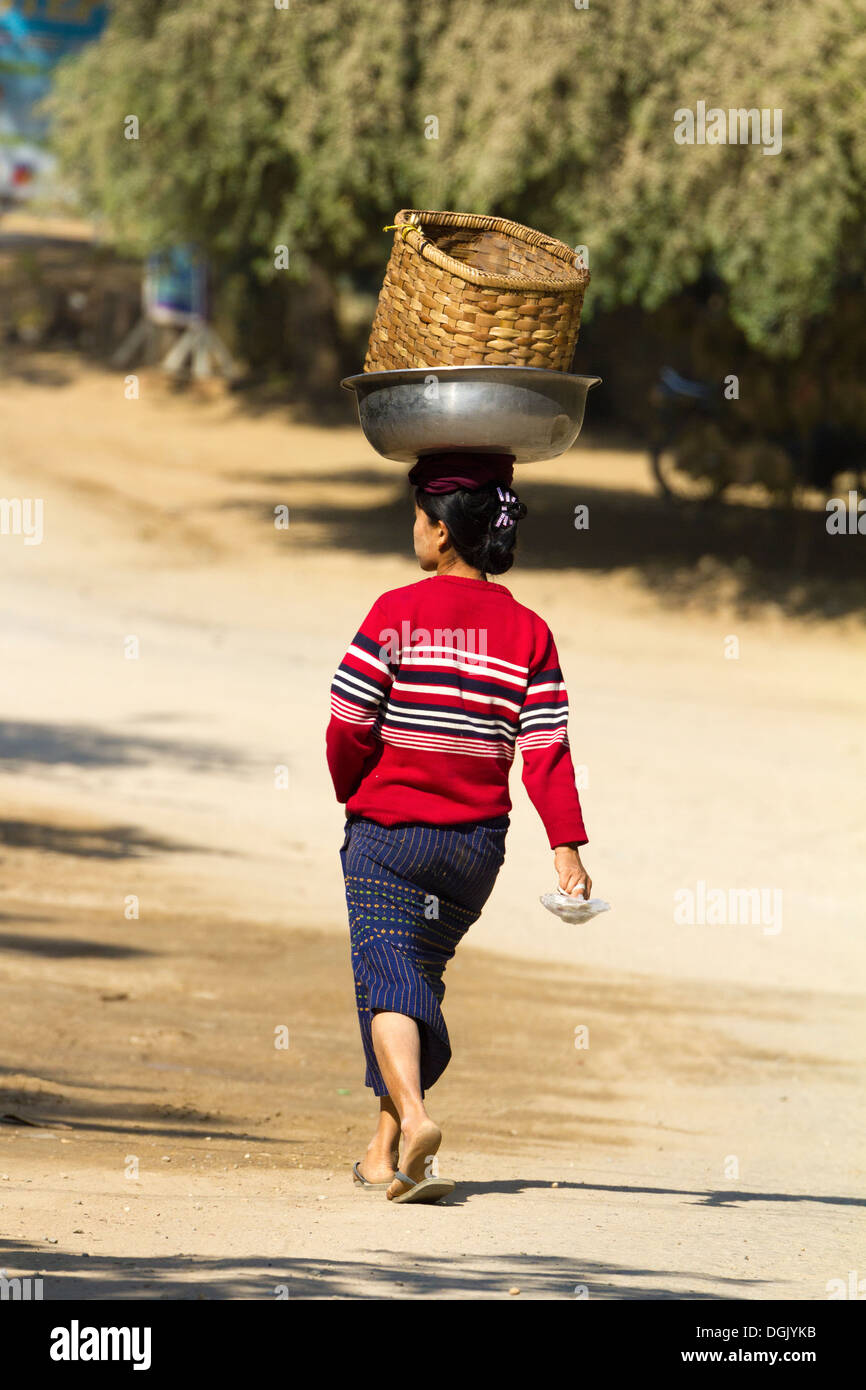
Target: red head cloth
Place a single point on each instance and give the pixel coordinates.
(448, 472)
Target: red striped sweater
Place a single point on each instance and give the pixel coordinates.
(443, 679)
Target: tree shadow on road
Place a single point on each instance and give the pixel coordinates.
(90, 842)
(748, 555)
(67, 947)
(83, 745)
(727, 1197)
(393, 1275)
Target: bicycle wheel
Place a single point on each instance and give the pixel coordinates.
(692, 463)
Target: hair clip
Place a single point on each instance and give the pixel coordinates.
(510, 509)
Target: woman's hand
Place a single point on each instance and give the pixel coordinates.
(572, 876)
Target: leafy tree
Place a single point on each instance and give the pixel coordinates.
(308, 127)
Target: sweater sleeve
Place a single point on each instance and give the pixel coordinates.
(358, 690)
(548, 772)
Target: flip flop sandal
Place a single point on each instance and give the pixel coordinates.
(363, 1185)
(429, 1191)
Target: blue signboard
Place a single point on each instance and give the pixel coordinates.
(34, 36)
(175, 286)
(63, 21)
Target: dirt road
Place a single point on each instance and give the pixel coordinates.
(171, 896)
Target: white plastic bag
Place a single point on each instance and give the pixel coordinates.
(573, 909)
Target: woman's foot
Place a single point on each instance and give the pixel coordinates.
(380, 1160)
(377, 1166)
(421, 1140)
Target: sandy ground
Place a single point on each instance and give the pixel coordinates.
(707, 1144)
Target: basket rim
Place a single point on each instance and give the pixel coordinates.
(578, 278)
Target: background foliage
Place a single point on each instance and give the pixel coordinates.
(305, 126)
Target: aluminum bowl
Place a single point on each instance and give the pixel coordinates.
(525, 411)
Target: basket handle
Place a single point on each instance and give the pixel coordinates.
(405, 228)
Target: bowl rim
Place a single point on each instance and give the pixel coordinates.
(351, 383)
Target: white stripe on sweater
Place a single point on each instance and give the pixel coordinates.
(458, 694)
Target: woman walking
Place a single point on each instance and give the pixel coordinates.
(442, 680)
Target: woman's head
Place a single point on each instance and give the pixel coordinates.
(479, 526)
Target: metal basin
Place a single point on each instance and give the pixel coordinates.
(525, 411)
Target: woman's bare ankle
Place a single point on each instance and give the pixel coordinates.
(415, 1120)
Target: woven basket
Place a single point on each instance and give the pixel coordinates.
(463, 290)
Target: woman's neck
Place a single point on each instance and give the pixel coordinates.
(453, 565)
